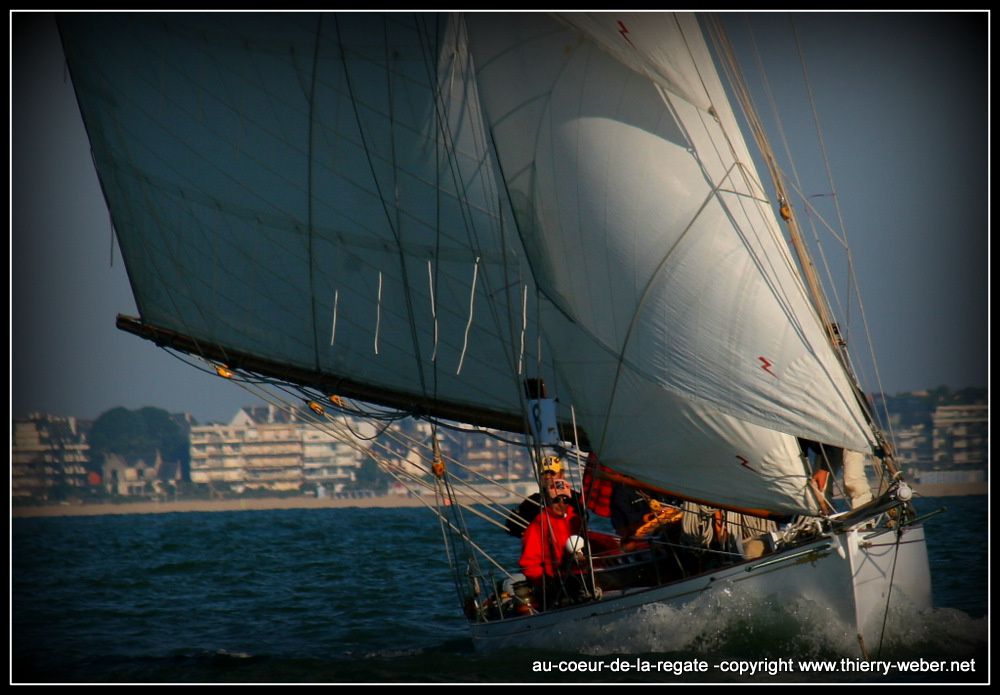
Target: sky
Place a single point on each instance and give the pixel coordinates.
(902, 99)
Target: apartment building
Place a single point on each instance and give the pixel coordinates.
(961, 435)
(273, 449)
(48, 457)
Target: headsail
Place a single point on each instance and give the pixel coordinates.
(675, 309)
(379, 198)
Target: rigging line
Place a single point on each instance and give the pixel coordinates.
(508, 279)
(796, 323)
(396, 474)
(730, 67)
(463, 199)
(462, 194)
(619, 353)
(756, 126)
(484, 138)
(583, 492)
(443, 130)
(470, 495)
(489, 135)
(404, 276)
(370, 415)
(433, 280)
(892, 576)
(747, 106)
(432, 276)
(310, 158)
(855, 291)
(439, 497)
(411, 442)
(771, 100)
(456, 510)
(871, 352)
(822, 142)
(835, 485)
(490, 141)
(363, 438)
(507, 295)
(439, 128)
(476, 430)
(328, 425)
(443, 497)
(814, 216)
(796, 179)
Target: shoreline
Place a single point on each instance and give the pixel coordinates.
(224, 505)
(380, 502)
(981, 487)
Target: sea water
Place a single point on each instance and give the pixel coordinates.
(365, 595)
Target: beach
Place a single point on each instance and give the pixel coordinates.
(981, 487)
(384, 502)
(220, 505)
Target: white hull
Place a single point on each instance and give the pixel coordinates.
(849, 574)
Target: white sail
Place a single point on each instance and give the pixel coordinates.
(676, 307)
(376, 198)
(652, 44)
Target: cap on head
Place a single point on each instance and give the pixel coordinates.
(559, 488)
(551, 464)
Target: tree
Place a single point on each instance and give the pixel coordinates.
(137, 435)
(371, 477)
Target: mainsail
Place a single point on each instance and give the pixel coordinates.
(310, 189)
(426, 210)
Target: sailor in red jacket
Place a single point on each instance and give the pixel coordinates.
(544, 542)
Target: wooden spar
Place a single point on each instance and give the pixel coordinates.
(414, 404)
(809, 273)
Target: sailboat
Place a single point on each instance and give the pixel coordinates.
(548, 225)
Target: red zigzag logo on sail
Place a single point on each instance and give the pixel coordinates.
(766, 365)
